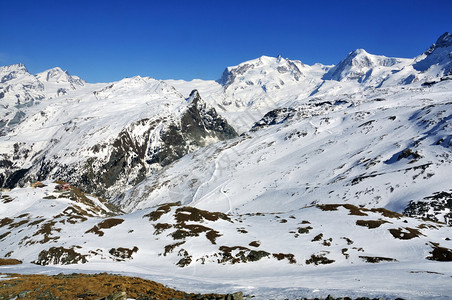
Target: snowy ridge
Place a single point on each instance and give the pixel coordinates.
(436, 61)
(319, 152)
(100, 138)
(359, 65)
(281, 179)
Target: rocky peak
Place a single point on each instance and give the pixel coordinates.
(444, 41)
(438, 55)
(12, 71)
(199, 126)
(57, 75)
(194, 96)
(357, 64)
(13, 68)
(262, 70)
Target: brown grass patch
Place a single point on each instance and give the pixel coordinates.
(440, 253)
(353, 210)
(304, 230)
(371, 223)
(36, 222)
(2, 236)
(427, 226)
(170, 248)
(319, 260)
(328, 207)
(188, 230)
(90, 287)
(387, 213)
(160, 227)
(18, 224)
(405, 233)
(105, 224)
(255, 244)
(5, 221)
(161, 210)
(349, 241)
(290, 257)
(344, 252)
(109, 223)
(242, 230)
(212, 236)
(188, 213)
(9, 261)
(7, 199)
(317, 237)
(47, 230)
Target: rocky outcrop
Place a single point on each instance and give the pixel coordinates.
(111, 166)
(198, 126)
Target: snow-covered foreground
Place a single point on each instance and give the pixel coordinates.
(313, 251)
(409, 281)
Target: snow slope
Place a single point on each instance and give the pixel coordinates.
(378, 149)
(342, 249)
(107, 138)
(320, 193)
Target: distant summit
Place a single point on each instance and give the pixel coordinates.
(444, 41)
(437, 60)
(357, 64)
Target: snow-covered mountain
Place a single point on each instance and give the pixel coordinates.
(108, 139)
(436, 61)
(19, 89)
(277, 168)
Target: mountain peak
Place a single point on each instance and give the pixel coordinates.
(437, 58)
(12, 71)
(194, 95)
(445, 40)
(19, 67)
(357, 64)
(357, 52)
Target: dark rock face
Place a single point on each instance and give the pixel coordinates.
(438, 54)
(130, 156)
(229, 75)
(276, 116)
(436, 207)
(198, 126)
(60, 255)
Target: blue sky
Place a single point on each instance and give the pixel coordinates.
(104, 41)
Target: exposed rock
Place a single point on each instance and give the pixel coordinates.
(437, 208)
(60, 255)
(198, 126)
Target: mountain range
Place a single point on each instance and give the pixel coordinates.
(275, 173)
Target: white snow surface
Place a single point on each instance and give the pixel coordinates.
(333, 234)
(331, 150)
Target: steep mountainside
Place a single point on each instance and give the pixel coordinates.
(281, 179)
(19, 89)
(378, 149)
(437, 60)
(108, 139)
